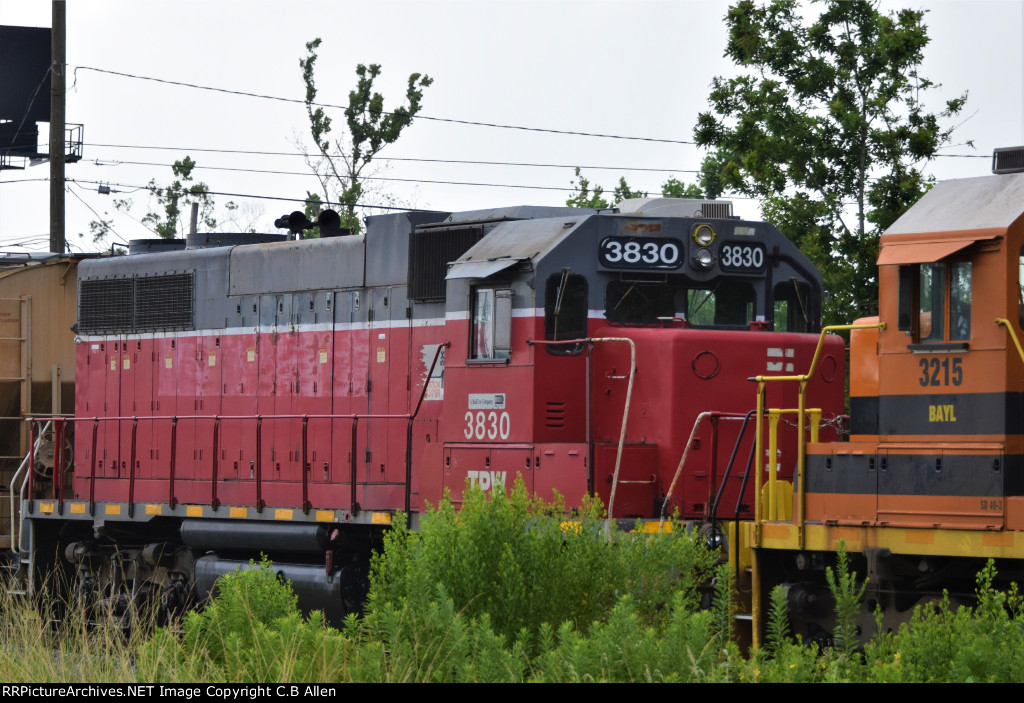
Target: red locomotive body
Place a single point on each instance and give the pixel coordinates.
(290, 397)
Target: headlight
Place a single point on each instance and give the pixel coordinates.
(703, 235)
(704, 258)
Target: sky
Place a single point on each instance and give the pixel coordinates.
(627, 69)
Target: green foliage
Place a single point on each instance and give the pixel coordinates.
(674, 188)
(778, 621)
(341, 166)
(624, 649)
(172, 198)
(253, 631)
(847, 595)
(828, 111)
(588, 195)
(505, 556)
(956, 644)
(173, 202)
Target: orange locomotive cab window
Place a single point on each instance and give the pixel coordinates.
(935, 301)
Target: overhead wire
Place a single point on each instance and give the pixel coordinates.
(343, 107)
(470, 162)
(99, 217)
(363, 178)
(28, 109)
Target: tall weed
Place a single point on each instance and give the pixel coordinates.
(519, 562)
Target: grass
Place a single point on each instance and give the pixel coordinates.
(452, 603)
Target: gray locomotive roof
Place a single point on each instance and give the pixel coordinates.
(511, 242)
(989, 202)
(515, 212)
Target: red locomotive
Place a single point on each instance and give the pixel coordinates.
(239, 396)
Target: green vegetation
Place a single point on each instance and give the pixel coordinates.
(826, 124)
(587, 194)
(508, 590)
(342, 166)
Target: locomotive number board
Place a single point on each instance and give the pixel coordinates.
(640, 253)
(742, 257)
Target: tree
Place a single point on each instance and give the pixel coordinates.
(341, 166)
(827, 126)
(587, 195)
(174, 206)
(173, 198)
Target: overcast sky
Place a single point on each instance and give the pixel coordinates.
(636, 69)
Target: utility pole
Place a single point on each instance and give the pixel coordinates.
(57, 148)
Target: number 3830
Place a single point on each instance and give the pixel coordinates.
(490, 425)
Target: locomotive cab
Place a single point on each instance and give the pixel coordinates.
(589, 345)
(936, 424)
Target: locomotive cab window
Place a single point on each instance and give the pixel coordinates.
(935, 301)
(727, 304)
(491, 324)
(791, 311)
(565, 311)
(638, 303)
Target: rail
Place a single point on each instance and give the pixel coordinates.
(60, 424)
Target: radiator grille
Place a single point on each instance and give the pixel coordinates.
(105, 306)
(717, 210)
(163, 302)
(136, 304)
(430, 252)
(1008, 160)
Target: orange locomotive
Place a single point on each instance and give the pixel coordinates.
(931, 482)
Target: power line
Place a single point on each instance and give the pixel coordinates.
(342, 107)
(364, 178)
(375, 207)
(395, 158)
(98, 216)
(264, 197)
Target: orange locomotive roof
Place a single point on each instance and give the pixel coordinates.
(929, 247)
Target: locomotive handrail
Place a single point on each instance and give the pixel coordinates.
(58, 486)
(686, 452)
(625, 409)
(26, 463)
(801, 448)
(1013, 335)
(800, 460)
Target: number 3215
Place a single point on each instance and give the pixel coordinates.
(939, 372)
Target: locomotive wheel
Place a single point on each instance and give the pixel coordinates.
(45, 456)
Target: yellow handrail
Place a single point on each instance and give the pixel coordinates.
(1013, 335)
(801, 441)
(801, 452)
